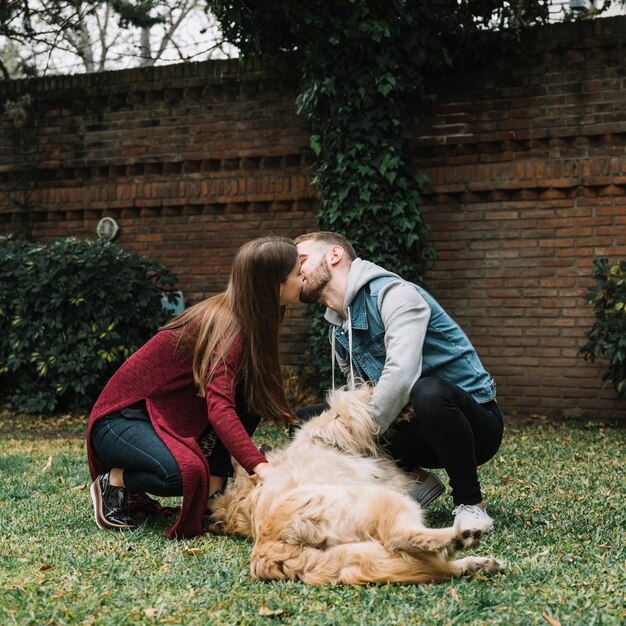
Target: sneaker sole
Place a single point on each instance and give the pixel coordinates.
(430, 496)
(101, 521)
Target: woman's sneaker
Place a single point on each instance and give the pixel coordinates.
(110, 505)
(428, 490)
(472, 516)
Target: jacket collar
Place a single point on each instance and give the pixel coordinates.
(357, 309)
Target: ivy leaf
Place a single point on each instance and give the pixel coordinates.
(315, 144)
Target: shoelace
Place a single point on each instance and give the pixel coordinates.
(122, 501)
(467, 508)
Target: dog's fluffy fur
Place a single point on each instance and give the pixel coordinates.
(336, 510)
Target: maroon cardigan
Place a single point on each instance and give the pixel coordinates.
(165, 381)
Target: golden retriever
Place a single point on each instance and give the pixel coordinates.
(337, 510)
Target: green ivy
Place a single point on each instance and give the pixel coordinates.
(364, 65)
(607, 337)
(71, 312)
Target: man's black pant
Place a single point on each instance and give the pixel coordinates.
(449, 430)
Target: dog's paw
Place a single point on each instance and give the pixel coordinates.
(499, 565)
(468, 537)
(490, 564)
(473, 564)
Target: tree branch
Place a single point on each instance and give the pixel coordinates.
(5, 72)
(185, 8)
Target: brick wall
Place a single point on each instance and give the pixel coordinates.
(527, 161)
(526, 157)
(191, 160)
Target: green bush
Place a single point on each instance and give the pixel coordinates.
(607, 336)
(71, 312)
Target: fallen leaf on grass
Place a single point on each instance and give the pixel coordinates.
(550, 620)
(150, 612)
(48, 465)
(267, 612)
(193, 551)
(45, 568)
(454, 594)
(79, 488)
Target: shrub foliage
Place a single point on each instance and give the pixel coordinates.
(71, 312)
(607, 337)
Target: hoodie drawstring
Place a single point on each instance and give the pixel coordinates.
(333, 357)
(352, 385)
(334, 352)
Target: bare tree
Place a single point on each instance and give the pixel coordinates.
(170, 25)
(64, 36)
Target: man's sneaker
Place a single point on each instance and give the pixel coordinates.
(472, 516)
(427, 491)
(110, 505)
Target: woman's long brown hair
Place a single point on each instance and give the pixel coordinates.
(250, 306)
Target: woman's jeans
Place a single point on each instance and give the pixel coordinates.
(127, 440)
(449, 430)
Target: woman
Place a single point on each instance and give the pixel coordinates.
(169, 418)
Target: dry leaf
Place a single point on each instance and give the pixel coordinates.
(550, 620)
(193, 551)
(267, 612)
(544, 552)
(454, 594)
(48, 465)
(79, 488)
(45, 568)
(150, 612)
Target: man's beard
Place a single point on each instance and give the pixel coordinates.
(315, 283)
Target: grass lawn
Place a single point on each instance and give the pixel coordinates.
(556, 491)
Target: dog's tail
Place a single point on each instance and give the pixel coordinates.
(351, 564)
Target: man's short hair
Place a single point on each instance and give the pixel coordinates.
(332, 239)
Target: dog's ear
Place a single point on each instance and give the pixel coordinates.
(346, 424)
(231, 512)
(239, 471)
(346, 402)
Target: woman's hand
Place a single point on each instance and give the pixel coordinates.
(263, 470)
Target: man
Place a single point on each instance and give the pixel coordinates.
(394, 334)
